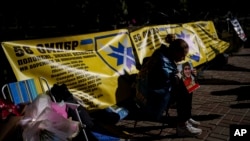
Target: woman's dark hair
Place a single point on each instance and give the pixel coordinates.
(178, 45)
(170, 38)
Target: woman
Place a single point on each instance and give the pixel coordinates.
(159, 80)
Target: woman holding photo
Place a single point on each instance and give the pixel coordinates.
(159, 81)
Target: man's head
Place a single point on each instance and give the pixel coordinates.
(179, 49)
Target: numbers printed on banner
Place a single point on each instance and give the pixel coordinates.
(137, 37)
(20, 51)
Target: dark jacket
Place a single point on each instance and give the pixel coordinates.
(154, 83)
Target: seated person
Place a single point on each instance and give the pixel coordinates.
(159, 80)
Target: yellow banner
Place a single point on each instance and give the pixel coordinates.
(207, 34)
(90, 65)
(96, 67)
(147, 39)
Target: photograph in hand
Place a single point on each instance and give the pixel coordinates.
(188, 75)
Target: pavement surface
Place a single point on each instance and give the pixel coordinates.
(222, 100)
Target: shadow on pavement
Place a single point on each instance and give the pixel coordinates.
(243, 55)
(214, 81)
(144, 128)
(228, 67)
(156, 137)
(241, 92)
(206, 117)
(240, 105)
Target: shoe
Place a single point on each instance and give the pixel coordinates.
(188, 130)
(193, 122)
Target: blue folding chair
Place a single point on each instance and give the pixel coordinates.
(24, 91)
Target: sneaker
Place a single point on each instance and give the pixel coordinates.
(193, 122)
(188, 130)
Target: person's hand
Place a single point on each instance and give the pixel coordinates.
(178, 75)
(194, 72)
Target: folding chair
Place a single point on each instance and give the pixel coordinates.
(20, 92)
